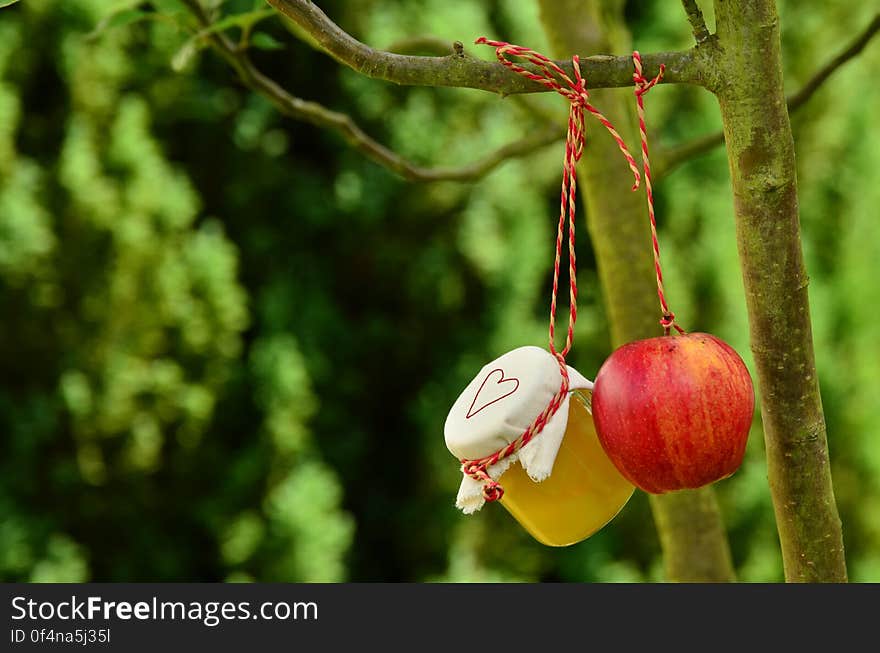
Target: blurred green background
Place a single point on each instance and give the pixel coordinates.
(229, 342)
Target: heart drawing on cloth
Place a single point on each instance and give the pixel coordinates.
(489, 393)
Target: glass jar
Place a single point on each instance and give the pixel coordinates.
(582, 494)
(560, 486)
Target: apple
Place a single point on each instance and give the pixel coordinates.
(674, 412)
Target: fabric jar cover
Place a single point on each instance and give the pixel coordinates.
(498, 406)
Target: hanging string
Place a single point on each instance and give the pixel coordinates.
(575, 91)
(642, 86)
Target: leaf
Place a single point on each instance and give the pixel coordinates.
(184, 55)
(263, 41)
(6, 3)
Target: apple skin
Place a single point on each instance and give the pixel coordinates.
(674, 412)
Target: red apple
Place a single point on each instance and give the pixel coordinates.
(674, 412)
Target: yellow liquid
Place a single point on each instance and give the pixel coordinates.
(582, 494)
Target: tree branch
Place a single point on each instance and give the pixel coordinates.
(695, 18)
(462, 70)
(343, 124)
(761, 157)
(473, 171)
(675, 156)
(826, 71)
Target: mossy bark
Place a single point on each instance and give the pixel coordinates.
(761, 156)
(695, 546)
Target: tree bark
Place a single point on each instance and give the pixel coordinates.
(760, 151)
(462, 70)
(689, 524)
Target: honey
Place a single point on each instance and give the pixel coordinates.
(582, 494)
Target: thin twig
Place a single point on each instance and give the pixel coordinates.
(674, 156)
(681, 153)
(471, 172)
(321, 116)
(825, 72)
(462, 70)
(695, 18)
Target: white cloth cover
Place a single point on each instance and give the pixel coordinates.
(498, 406)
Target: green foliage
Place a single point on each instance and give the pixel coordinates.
(129, 294)
(230, 342)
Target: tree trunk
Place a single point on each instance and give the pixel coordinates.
(692, 536)
(760, 152)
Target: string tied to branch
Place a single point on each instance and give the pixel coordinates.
(641, 86)
(574, 89)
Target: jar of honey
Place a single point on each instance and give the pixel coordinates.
(560, 486)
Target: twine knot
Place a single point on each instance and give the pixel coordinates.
(492, 490)
(642, 84)
(668, 323)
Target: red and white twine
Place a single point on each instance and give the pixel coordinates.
(642, 86)
(574, 90)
